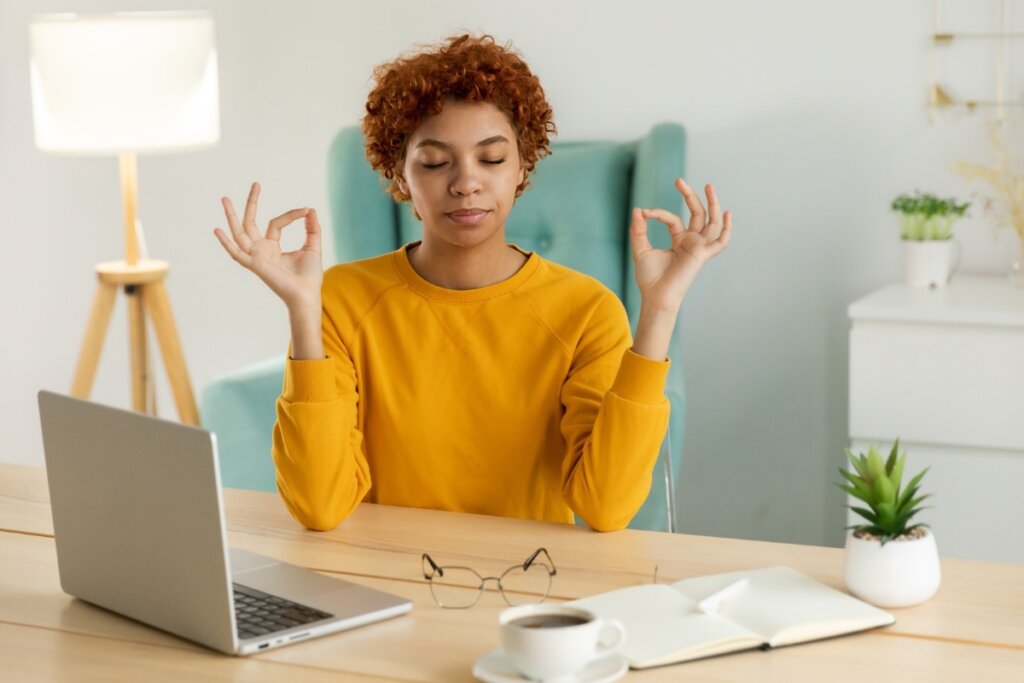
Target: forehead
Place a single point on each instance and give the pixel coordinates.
(463, 124)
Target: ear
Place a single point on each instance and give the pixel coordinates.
(400, 182)
(522, 174)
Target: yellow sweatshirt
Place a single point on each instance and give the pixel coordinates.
(519, 399)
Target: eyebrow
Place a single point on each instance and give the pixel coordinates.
(430, 142)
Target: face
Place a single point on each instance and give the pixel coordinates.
(461, 169)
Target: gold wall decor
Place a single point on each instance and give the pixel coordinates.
(939, 95)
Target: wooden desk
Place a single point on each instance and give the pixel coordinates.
(973, 629)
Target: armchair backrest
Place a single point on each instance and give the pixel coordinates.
(576, 212)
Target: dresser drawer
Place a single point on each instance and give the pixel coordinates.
(937, 383)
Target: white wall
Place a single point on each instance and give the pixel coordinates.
(808, 116)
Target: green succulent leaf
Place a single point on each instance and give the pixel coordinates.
(891, 461)
(856, 493)
(896, 473)
(859, 464)
(866, 514)
(858, 483)
(911, 487)
(875, 466)
(913, 505)
(884, 491)
(887, 516)
(905, 497)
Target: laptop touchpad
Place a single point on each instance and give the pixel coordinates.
(243, 561)
(286, 581)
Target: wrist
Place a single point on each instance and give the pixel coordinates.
(305, 311)
(657, 312)
(654, 333)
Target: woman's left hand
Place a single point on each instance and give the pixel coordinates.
(664, 275)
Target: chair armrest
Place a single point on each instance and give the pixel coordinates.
(239, 407)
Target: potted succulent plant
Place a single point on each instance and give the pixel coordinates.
(889, 561)
(927, 231)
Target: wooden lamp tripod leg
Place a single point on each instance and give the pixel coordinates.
(92, 345)
(141, 381)
(154, 295)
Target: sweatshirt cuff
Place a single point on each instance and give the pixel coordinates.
(641, 379)
(307, 381)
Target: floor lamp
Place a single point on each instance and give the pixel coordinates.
(125, 84)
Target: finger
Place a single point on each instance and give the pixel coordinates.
(249, 220)
(236, 227)
(676, 229)
(719, 245)
(237, 254)
(638, 234)
(714, 226)
(312, 232)
(698, 217)
(285, 219)
(723, 239)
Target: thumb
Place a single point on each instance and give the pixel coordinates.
(638, 234)
(312, 242)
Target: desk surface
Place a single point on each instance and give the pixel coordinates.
(973, 629)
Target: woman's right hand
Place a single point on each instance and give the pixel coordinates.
(295, 276)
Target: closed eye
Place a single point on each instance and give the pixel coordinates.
(491, 162)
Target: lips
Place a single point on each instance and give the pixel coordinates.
(467, 216)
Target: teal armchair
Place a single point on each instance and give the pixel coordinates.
(576, 213)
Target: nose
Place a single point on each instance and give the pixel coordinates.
(466, 181)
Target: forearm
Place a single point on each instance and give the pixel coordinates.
(307, 332)
(654, 333)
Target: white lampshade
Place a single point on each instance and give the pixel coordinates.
(124, 82)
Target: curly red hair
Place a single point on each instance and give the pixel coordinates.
(464, 68)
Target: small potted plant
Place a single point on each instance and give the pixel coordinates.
(888, 562)
(927, 231)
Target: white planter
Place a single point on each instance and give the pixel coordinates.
(897, 574)
(929, 263)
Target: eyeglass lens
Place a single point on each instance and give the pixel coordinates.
(522, 587)
(457, 587)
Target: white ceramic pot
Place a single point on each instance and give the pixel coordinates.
(897, 574)
(929, 263)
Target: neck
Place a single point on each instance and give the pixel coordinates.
(460, 268)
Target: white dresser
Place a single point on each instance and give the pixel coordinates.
(943, 369)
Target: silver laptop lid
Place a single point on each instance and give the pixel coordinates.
(137, 517)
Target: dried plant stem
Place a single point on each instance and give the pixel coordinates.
(1008, 185)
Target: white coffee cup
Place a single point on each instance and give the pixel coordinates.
(552, 642)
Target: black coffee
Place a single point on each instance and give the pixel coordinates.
(548, 621)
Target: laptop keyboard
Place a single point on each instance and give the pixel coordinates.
(258, 613)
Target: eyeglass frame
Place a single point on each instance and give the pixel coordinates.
(438, 570)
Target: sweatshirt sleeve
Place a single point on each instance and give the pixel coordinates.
(322, 472)
(614, 420)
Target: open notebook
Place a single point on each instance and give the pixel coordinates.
(759, 608)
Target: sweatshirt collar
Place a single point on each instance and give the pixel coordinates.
(455, 296)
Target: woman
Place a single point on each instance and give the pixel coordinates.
(460, 372)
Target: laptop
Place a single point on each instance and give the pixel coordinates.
(138, 522)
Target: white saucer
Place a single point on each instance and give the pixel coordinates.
(494, 667)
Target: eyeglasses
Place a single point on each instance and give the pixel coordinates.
(460, 587)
